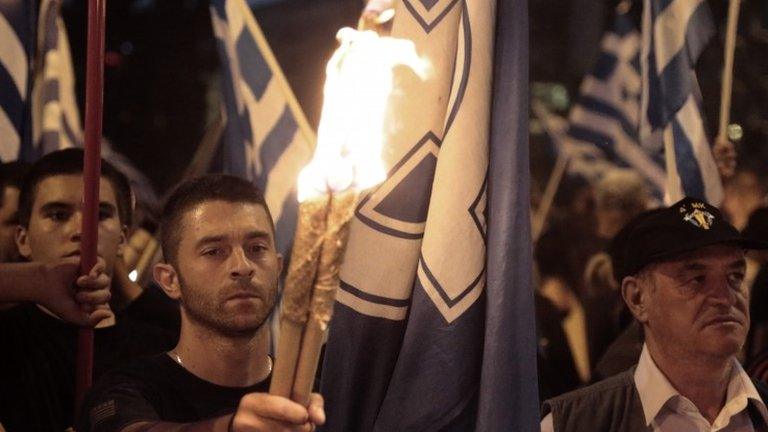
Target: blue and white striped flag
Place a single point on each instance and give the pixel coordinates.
(604, 122)
(675, 33)
(17, 47)
(267, 139)
(39, 113)
(55, 114)
(434, 326)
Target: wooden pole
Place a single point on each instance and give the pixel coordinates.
(94, 92)
(558, 171)
(727, 86)
(555, 178)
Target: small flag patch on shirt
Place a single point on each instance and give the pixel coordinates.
(101, 412)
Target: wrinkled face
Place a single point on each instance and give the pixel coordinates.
(8, 221)
(55, 223)
(228, 267)
(697, 305)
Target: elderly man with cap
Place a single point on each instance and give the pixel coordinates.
(681, 271)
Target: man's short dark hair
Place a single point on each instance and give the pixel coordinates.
(212, 187)
(67, 162)
(12, 173)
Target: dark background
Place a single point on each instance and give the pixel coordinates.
(162, 83)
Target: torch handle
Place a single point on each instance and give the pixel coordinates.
(288, 348)
(94, 92)
(727, 80)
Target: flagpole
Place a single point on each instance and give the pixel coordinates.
(727, 87)
(558, 171)
(549, 193)
(94, 91)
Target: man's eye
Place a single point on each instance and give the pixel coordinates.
(257, 248)
(698, 280)
(105, 214)
(212, 252)
(58, 216)
(735, 279)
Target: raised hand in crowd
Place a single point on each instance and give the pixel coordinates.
(724, 152)
(58, 288)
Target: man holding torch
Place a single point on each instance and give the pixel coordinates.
(218, 241)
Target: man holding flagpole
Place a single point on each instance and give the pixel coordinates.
(37, 367)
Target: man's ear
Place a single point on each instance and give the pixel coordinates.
(166, 276)
(22, 242)
(123, 241)
(634, 291)
(279, 263)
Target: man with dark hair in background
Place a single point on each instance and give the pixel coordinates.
(11, 174)
(38, 362)
(221, 264)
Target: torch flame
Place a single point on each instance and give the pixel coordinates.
(359, 80)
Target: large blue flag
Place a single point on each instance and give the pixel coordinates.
(604, 122)
(434, 325)
(17, 47)
(267, 139)
(675, 33)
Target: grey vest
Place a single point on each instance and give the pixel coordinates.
(613, 405)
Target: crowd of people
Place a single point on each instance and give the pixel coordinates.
(199, 360)
(652, 318)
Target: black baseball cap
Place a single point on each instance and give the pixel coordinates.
(663, 233)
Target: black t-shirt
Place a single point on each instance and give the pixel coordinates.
(157, 389)
(37, 364)
(155, 308)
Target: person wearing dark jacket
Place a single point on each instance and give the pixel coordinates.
(681, 271)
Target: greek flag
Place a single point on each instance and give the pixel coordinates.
(39, 112)
(267, 139)
(675, 33)
(55, 114)
(17, 45)
(604, 122)
(434, 326)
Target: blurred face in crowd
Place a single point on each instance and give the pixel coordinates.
(696, 306)
(227, 267)
(55, 223)
(8, 222)
(610, 220)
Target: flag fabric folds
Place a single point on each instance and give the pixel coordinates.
(267, 138)
(55, 114)
(17, 47)
(434, 317)
(604, 122)
(39, 111)
(675, 33)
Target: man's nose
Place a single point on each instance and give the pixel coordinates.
(241, 266)
(75, 227)
(723, 292)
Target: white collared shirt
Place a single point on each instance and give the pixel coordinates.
(666, 410)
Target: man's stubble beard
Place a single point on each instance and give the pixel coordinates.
(211, 317)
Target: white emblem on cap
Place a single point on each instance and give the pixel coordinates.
(699, 217)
